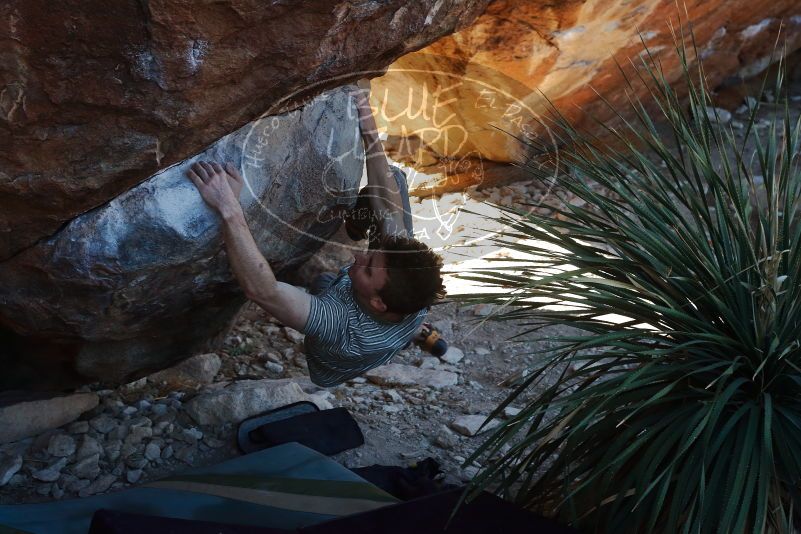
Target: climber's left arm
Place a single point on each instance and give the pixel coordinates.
(382, 189)
(220, 189)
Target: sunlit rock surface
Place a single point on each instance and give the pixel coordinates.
(95, 96)
(143, 280)
(462, 97)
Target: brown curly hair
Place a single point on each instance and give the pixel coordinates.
(414, 281)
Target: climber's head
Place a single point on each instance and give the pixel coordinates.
(402, 276)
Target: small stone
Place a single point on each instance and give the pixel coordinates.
(213, 442)
(103, 423)
(718, 115)
(44, 489)
(191, 435)
(293, 335)
(452, 356)
(481, 351)
(186, 453)
(61, 445)
(159, 409)
(358, 380)
(167, 452)
(136, 461)
(129, 410)
(77, 485)
(133, 475)
(88, 467)
(469, 473)
(483, 310)
(98, 486)
(119, 432)
(468, 425)
(395, 374)
(141, 422)
(9, 466)
(57, 492)
(139, 434)
(51, 473)
(270, 356)
(78, 427)
(392, 408)
(162, 428)
(511, 411)
(113, 450)
(89, 447)
(273, 368)
(429, 362)
(136, 385)
(192, 372)
(393, 395)
(152, 452)
(143, 405)
(446, 439)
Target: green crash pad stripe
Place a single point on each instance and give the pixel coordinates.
(310, 503)
(348, 489)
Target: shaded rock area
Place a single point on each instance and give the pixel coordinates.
(94, 97)
(143, 280)
(452, 105)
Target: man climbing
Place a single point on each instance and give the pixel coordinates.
(359, 318)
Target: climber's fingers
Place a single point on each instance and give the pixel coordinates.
(200, 172)
(231, 170)
(192, 175)
(209, 171)
(217, 167)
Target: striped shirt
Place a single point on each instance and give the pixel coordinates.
(342, 341)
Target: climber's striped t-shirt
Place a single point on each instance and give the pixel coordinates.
(342, 341)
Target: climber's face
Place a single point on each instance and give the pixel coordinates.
(368, 275)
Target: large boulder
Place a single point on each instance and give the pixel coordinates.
(455, 103)
(143, 281)
(95, 96)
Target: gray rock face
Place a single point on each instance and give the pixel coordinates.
(27, 419)
(143, 281)
(242, 400)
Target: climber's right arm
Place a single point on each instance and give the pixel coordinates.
(220, 189)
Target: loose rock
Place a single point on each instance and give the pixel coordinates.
(98, 486)
(153, 452)
(243, 399)
(51, 473)
(452, 356)
(61, 445)
(718, 115)
(103, 423)
(89, 447)
(469, 425)
(88, 467)
(192, 372)
(9, 465)
(395, 374)
(26, 419)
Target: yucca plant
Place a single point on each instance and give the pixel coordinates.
(684, 415)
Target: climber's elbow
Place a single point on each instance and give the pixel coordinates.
(262, 294)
